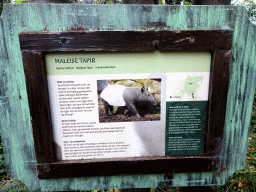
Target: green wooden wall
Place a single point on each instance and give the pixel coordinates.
(16, 131)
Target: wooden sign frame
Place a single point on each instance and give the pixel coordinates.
(34, 45)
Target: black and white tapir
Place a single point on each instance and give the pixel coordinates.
(119, 95)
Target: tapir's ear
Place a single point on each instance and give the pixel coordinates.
(148, 89)
(142, 90)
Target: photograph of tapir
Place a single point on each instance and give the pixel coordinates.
(133, 100)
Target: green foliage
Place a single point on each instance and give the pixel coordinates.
(251, 8)
(7, 184)
(245, 179)
(13, 185)
(63, 1)
(1, 7)
(187, 3)
(178, 2)
(6, 1)
(2, 163)
(166, 189)
(161, 2)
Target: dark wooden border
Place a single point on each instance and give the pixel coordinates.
(35, 44)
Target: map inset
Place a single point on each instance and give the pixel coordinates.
(188, 87)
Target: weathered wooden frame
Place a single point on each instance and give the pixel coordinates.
(35, 44)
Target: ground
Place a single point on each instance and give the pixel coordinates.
(148, 112)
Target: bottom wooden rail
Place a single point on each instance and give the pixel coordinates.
(127, 166)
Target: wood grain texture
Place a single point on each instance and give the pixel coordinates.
(37, 87)
(125, 166)
(192, 40)
(217, 101)
(16, 130)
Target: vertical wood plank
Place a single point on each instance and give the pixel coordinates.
(217, 102)
(39, 108)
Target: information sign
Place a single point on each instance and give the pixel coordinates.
(128, 99)
(80, 84)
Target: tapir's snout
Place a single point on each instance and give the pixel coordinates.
(155, 102)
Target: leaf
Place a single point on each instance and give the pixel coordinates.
(3, 171)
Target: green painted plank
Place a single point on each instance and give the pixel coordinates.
(14, 112)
